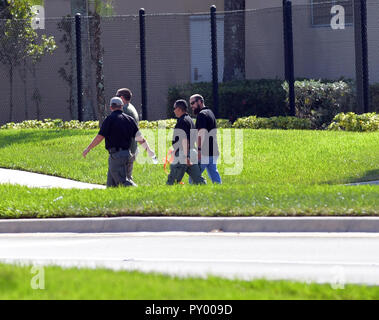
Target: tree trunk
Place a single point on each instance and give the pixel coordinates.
(11, 93)
(81, 6)
(234, 41)
(98, 58)
(24, 76)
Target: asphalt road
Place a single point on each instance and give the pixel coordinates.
(325, 258)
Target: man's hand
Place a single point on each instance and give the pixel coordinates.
(85, 152)
(189, 163)
(151, 153)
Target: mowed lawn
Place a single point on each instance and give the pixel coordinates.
(279, 173)
(71, 283)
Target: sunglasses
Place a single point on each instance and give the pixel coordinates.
(193, 102)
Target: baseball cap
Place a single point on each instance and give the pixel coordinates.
(117, 101)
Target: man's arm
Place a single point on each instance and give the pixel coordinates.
(93, 144)
(185, 147)
(141, 140)
(200, 140)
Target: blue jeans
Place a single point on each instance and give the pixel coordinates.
(211, 167)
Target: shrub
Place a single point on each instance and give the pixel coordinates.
(253, 122)
(320, 101)
(354, 122)
(374, 95)
(75, 124)
(263, 98)
(51, 124)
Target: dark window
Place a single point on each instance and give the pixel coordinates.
(321, 11)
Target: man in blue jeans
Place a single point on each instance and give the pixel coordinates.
(206, 126)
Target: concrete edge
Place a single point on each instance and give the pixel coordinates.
(191, 224)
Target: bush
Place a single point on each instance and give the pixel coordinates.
(75, 124)
(264, 98)
(52, 124)
(374, 95)
(354, 122)
(253, 122)
(319, 101)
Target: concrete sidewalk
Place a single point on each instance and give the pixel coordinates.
(36, 180)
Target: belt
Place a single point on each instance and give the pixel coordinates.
(114, 150)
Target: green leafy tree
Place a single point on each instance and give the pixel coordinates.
(20, 42)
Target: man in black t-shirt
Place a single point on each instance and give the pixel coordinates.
(184, 147)
(119, 129)
(207, 137)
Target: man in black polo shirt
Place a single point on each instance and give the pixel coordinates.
(207, 137)
(184, 147)
(119, 129)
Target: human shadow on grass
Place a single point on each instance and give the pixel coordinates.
(35, 136)
(371, 175)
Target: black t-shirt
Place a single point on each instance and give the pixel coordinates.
(118, 129)
(207, 120)
(182, 129)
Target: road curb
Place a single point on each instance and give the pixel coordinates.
(191, 224)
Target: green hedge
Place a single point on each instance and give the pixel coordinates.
(51, 124)
(75, 124)
(263, 98)
(316, 100)
(354, 122)
(374, 95)
(253, 122)
(342, 121)
(320, 102)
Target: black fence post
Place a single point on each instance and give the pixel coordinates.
(143, 63)
(365, 76)
(285, 40)
(361, 55)
(289, 58)
(214, 61)
(79, 66)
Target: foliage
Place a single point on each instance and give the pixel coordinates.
(75, 124)
(253, 122)
(263, 98)
(320, 101)
(355, 122)
(374, 95)
(19, 41)
(51, 124)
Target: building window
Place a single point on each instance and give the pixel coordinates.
(321, 11)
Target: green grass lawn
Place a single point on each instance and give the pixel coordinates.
(284, 173)
(15, 283)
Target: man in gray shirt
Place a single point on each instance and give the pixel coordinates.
(126, 95)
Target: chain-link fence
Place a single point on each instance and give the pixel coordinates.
(255, 49)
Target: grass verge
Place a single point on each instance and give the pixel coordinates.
(282, 173)
(66, 284)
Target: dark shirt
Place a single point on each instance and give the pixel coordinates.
(183, 126)
(118, 129)
(207, 120)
